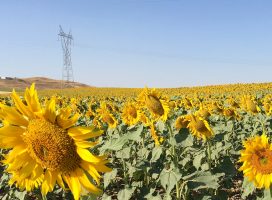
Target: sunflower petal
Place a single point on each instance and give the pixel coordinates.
(88, 156)
(87, 184)
(74, 185)
(67, 123)
(92, 171)
(50, 111)
(80, 130)
(32, 99)
(13, 116)
(21, 106)
(88, 135)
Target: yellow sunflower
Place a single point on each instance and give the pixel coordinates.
(144, 119)
(187, 103)
(181, 122)
(257, 161)
(109, 119)
(214, 107)
(232, 102)
(155, 102)
(130, 114)
(105, 115)
(47, 148)
(231, 113)
(203, 112)
(249, 104)
(157, 139)
(199, 127)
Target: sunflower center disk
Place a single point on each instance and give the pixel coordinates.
(154, 104)
(181, 123)
(262, 161)
(51, 146)
(251, 106)
(132, 112)
(199, 125)
(108, 119)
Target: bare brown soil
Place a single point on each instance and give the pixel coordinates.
(6, 85)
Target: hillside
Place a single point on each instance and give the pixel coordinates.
(41, 83)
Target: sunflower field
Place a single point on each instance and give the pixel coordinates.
(211, 142)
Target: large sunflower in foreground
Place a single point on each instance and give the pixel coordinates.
(257, 161)
(155, 103)
(45, 147)
(199, 127)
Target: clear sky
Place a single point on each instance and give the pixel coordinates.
(133, 43)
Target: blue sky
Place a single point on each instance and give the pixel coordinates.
(133, 43)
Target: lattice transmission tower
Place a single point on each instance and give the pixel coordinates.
(67, 70)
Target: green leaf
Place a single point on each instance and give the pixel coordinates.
(143, 153)
(91, 197)
(126, 193)
(167, 197)
(184, 161)
(248, 188)
(205, 167)
(189, 141)
(169, 178)
(227, 166)
(106, 197)
(150, 196)
(267, 194)
(135, 134)
(20, 195)
(156, 154)
(114, 144)
(206, 198)
(108, 177)
(124, 153)
(197, 160)
(200, 180)
(160, 126)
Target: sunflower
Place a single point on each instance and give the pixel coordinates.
(130, 114)
(187, 103)
(214, 107)
(103, 107)
(90, 113)
(249, 104)
(199, 127)
(267, 101)
(257, 161)
(231, 113)
(157, 139)
(181, 122)
(203, 112)
(109, 119)
(105, 115)
(144, 119)
(45, 147)
(155, 102)
(231, 101)
(173, 105)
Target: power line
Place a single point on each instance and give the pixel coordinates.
(67, 70)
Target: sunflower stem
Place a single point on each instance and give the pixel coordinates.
(143, 141)
(209, 154)
(173, 150)
(175, 159)
(124, 170)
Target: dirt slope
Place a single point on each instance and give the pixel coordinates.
(41, 83)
